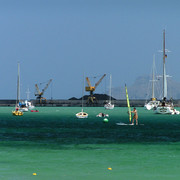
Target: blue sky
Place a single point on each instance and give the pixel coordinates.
(63, 39)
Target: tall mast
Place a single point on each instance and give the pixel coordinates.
(18, 85)
(28, 93)
(153, 98)
(164, 71)
(110, 88)
(83, 92)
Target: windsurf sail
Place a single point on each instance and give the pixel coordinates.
(128, 104)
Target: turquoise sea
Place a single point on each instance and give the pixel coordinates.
(54, 144)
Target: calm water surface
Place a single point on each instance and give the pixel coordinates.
(54, 144)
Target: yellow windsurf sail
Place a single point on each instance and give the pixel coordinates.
(128, 104)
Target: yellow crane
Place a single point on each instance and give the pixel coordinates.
(39, 93)
(91, 89)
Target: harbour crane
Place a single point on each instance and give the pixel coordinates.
(91, 89)
(39, 93)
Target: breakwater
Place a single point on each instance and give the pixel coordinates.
(78, 103)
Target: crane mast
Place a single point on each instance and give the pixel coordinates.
(91, 89)
(40, 93)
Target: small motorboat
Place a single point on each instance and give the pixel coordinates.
(17, 113)
(175, 112)
(102, 115)
(34, 111)
(29, 105)
(82, 115)
(109, 106)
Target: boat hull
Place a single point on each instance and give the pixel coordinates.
(151, 104)
(102, 115)
(17, 113)
(148, 107)
(29, 105)
(109, 106)
(82, 115)
(164, 110)
(23, 109)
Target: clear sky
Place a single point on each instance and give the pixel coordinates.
(61, 39)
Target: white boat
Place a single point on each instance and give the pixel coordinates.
(18, 108)
(165, 107)
(82, 114)
(153, 103)
(109, 105)
(28, 103)
(102, 115)
(175, 112)
(23, 107)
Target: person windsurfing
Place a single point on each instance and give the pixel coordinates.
(135, 117)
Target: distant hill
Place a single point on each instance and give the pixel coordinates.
(142, 89)
(98, 97)
(73, 98)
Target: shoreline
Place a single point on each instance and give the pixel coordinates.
(78, 103)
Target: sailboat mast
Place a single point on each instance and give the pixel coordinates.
(153, 77)
(110, 88)
(18, 85)
(83, 92)
(28, 93)
(164, 71)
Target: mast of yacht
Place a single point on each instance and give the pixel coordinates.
(164, 71)
(82, 93)
(28, 93)
(110, 89)
(153, 97)
(18, 85)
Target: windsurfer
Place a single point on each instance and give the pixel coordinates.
(135, 116)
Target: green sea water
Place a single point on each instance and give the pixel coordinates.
(54, 144)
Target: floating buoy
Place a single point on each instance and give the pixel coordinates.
(34, 174)
(105, 120)
(109, 168)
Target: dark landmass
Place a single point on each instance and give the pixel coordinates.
(141, 89)
(97, 96)
(73, 98)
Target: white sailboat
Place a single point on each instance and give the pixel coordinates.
(165, 107)
(153, 103)
(109, 105)
(27, 102)
(20, 105)
(17, 111)
(82, 114)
